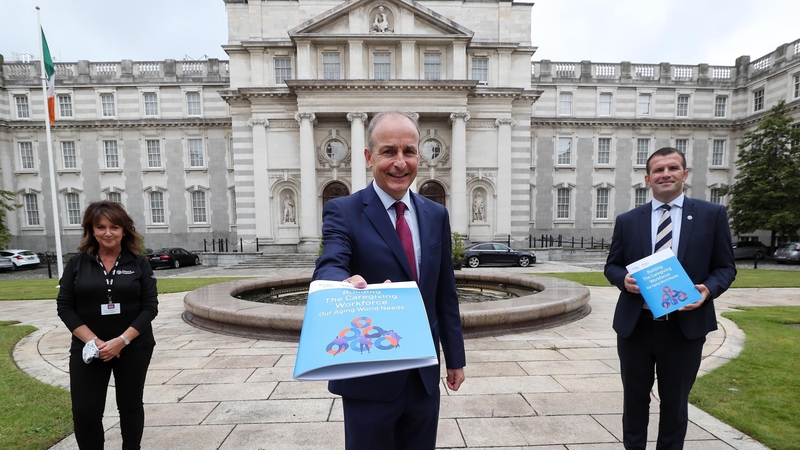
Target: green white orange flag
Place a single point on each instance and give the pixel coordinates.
(50, 70)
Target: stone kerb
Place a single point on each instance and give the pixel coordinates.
(215, 308)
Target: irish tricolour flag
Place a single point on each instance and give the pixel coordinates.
(50, 70)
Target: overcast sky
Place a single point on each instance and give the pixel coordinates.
(646, 31)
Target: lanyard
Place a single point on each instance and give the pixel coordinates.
(109, 277)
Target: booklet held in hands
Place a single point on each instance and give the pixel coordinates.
(663, 283)
(349, 332)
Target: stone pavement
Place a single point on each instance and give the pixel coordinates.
(557, 388)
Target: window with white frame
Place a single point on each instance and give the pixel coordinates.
(603, 150)
(335, 150)
(562, 203)
(199, 207)
(797, 86)
(716, 196)
(23, 110)
(150, 103)
(193, 105)
(331, 66)
(26, 160)
(196, 153)
(114, 197)
(604, 104)
(720, 106)
(718, 152)
(111, 152)
(639, 197)
(153, 153)
(283, 70)
(480, 69)
(73, 209)
(107, 105)
(382, 65)
(564, 103)
(31, 209)
(157, 207)
(601, 211)
(65, 105)
(432, 63)
(758, 100)
(431, 149)
(683, 106)
(644, 104)
(682, 145)
(564, 151)
(68, 157)
(642, 151)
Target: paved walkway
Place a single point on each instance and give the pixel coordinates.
(552, 389)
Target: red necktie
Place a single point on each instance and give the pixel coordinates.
(404, 233)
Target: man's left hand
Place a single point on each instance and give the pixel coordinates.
(704, 292)
(454, 378)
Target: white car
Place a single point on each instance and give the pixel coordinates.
(20, 258)
(6, 264)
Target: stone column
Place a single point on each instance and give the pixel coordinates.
(502, 218)
(261, 178)
(458, 173)
(358, 166)
(307, 219)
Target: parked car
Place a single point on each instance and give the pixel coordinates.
(172, 257)
(787, 253)
(491, 253)
(749, 250)
(21, 258)
(6, 264)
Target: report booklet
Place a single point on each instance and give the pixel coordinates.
(349, 332)
(663, 282)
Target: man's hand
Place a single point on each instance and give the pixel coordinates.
(630, 284)
(454, 378)
(704, 291)
(357, 281)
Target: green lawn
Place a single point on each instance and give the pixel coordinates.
(745, 278)
(33, 415)
(759, 392)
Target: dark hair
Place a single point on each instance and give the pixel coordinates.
(665, 151)
(114, 212)
(378, 117)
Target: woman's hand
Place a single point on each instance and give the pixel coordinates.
(110, 349)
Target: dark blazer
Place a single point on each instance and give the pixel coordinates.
(359, 239)
(705, 251)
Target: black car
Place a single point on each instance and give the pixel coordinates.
(498, 254)
(172, 257)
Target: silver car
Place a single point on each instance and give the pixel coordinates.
(787, 253)
(20, 258)
(6, 264)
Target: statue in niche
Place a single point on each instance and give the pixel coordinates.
(381, 24)
(478, 208)
(288, 209)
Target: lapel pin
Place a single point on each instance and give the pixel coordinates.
(689, 217)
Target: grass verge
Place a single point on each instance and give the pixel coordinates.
(745, 278)
(758, 392)
(45, 288)
(33, 415)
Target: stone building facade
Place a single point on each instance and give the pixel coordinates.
(253, 148)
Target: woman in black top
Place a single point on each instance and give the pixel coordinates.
(108, 295)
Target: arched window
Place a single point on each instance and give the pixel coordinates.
(432, 190)
(334, 190)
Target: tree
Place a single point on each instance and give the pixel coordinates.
(766, 194)
(6, 204)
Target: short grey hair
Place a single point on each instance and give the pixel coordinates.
(378, 117)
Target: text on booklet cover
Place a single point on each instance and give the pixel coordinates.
(664, 284)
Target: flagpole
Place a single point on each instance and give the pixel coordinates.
(53, 189)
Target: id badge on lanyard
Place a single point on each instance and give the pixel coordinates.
(110, 308)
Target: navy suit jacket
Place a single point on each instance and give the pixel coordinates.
(359, 239)
(705, 251)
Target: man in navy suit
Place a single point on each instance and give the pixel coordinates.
(670, 346)
(397, 410)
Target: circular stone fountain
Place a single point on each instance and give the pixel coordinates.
(216, 307)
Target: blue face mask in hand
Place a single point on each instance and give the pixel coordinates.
(90, 351)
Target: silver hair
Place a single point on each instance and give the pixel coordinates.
(378, 117)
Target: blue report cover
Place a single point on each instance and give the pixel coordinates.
(349, 332)
(663, 282)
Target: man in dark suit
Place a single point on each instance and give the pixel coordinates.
(397, 410)
(670, 346)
